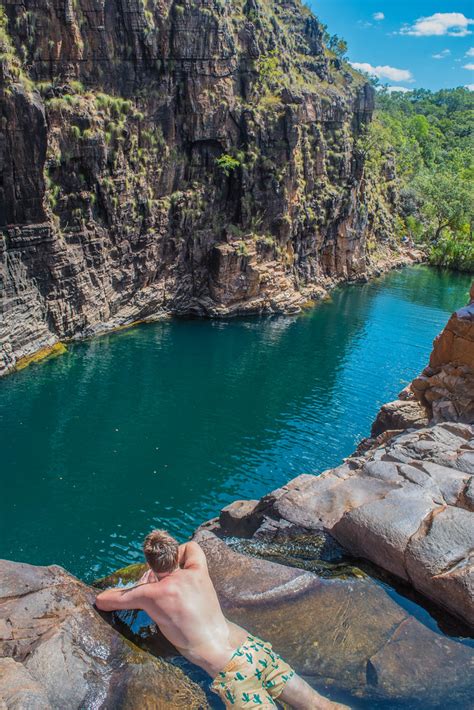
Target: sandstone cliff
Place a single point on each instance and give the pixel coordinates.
(164, 157)
(444, 391)
(446, 387)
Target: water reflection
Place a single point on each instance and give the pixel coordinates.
(166, 423)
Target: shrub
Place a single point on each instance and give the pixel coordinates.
(455, 253)
(77, 87)
(242, 249)
(227, 163)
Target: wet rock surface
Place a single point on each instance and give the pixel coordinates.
(346, 632)
(405, 506)
(339, 633)
(57, 652)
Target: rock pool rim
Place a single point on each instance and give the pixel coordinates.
(404, 594)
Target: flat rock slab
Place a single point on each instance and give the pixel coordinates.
(57, 652)
(337, 632)
(405, 505)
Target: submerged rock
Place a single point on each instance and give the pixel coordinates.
(57, 652)
(343, 634)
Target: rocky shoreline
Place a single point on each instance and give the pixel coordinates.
(404, 502)
(288, 301)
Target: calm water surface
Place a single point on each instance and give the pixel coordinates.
(164, 424)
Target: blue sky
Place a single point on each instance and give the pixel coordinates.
(407, 43)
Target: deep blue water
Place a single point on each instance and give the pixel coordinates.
(164, 424)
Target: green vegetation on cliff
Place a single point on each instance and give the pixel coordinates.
(428, 136)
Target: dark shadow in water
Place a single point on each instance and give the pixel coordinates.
(451, 292)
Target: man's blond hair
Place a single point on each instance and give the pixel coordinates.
(161, 551)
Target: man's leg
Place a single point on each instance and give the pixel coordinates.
(301, 696)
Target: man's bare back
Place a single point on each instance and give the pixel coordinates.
(184, 605)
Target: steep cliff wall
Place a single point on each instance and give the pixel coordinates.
(166, 157)
(444, 391)
(446, 387)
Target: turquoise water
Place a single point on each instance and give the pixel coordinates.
(164, 424)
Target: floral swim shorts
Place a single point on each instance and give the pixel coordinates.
(254, 676)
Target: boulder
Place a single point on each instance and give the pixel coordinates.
(239, 518)
(316, 502)
(386, 506)
(379, 527)
(439, 559)
(57, 652)
(400, 414)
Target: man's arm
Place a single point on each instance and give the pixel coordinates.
(191, 555)
(116, 599)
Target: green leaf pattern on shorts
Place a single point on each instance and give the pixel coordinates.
(250, 697)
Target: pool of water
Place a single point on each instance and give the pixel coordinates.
(164, 424)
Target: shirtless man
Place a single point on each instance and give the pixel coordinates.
(178, 594)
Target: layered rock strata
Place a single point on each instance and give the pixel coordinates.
(176, 158)
(444, 392)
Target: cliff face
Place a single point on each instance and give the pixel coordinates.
(172, 157)
(444, 391)
(446, 387)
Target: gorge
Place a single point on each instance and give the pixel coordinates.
(166, 423)
(359, 633)
(185, 158)
(203, 184)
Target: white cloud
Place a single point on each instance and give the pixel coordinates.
(470, 87)
(470, 52)
(378, 16)
(442, 55)
(384, 72)
(470, 67)
(401, 89)
(454, 24)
